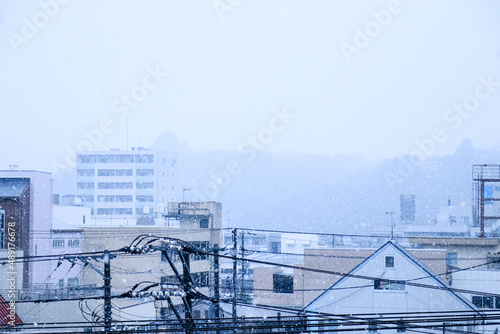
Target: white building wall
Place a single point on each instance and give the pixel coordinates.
(296, 243)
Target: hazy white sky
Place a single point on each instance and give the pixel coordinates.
(357, 77)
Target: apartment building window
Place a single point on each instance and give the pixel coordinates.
(124, 172)
(124, 185)
(144, 198)
(389, 261)
(85, 185)
(85, 172)
(75, 243)
(105, 198)
(106, 185)
(382, 284)
(145, 158)
(123, 211)
(282, 283)
(145, 172)
(58, 243)
(106, 172)
(124, 198)
(105, 211)
(87, 199)
(87, 159)
(451, 259)
(106, 158)
(144, 185)
(125, 158)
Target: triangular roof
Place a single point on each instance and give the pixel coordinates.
(429, 275)
(6, 318)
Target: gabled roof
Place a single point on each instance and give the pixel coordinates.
(13, 187)
(438, 281)
(6, 318)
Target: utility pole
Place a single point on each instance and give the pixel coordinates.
(242, 292)
(235, 269)
(107, 291)
(186, 278)
(217, 287)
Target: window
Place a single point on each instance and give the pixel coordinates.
(144, 185)
(106, 172)
(275, 247)
(61, 283)
(489, 302)
(282, 283)
(126, 158)
(124, 185)
(124, 172)
(106, 185)
(123, 211)
(87, 199)
(145, 172)
(124, 198)
(451, 259)
(85, 172)
(106, 158)
(382, 284)
(103, 211)
(58, 243)
(87, 159)
(73, 281)
(2, 229)
(85, 185)
(75, 243)
(105, 198)
(145, 158)
(201, 279)
(452, 220)
(389, 261)
(144, 198)
(204, 223)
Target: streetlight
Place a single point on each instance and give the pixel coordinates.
(392, 222)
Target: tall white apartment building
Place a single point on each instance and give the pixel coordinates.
(135, 184)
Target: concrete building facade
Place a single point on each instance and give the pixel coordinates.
(135, 184)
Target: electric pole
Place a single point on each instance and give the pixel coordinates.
(217, 287)
(235, 269)
(107, 291)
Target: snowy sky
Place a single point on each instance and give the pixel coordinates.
(373, 78)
